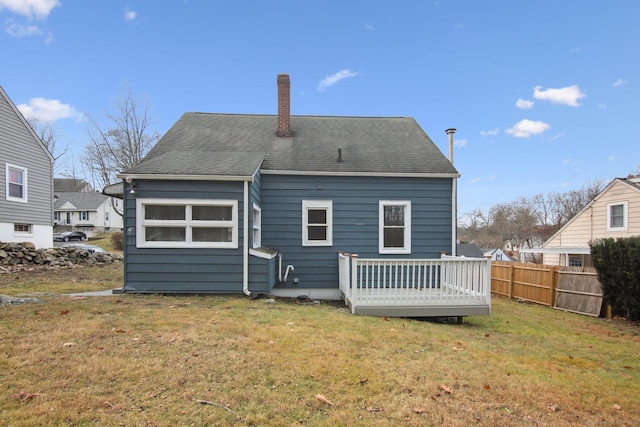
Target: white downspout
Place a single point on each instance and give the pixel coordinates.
(454, 198)
(245, 242)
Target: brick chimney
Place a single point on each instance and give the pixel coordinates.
(284, 106)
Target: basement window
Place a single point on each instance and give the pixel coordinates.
(179, 223)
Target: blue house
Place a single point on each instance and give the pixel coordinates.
(264, 204)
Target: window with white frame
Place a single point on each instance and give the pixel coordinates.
(16, 183)
(56, 216)
(394, 227)
(317, 223)
(84, 215)
(617, 216)
(575, 260)
(257, 226)
(22, 228)
(176, 223)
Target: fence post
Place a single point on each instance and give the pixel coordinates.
(512, 273)
(555, 278)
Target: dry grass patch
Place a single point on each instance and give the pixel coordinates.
(216, 360)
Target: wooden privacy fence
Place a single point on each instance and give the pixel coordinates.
(574, 289)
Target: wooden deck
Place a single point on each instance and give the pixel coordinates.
(446, 287)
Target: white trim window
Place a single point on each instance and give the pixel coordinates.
(187, 223)
(16, 178)
(22, 228)
(317, 223)
(617, 216)
(84, 215)
(394, 227)
(257, 226)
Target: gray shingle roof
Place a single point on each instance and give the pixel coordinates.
(82, 200)
(237, 145)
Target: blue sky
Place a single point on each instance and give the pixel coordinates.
(544, 94)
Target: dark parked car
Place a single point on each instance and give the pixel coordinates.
(69, 235)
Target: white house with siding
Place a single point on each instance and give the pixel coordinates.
(90, 212)
(614, 213)
(26, 181)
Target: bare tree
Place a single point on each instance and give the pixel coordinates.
(49, 137)
(122, 143)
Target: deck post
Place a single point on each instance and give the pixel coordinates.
(353, 282)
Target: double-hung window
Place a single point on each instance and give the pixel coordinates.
(617, 216)
(84, 215)
(16, 178)
(257, 226)
(317, 223)
(178, 223)
(394, 230)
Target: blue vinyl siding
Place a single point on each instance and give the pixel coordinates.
(182, 270)
(355, 220)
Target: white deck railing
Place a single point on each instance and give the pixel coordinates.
(414, 282)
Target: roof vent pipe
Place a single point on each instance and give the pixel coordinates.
(450, 132)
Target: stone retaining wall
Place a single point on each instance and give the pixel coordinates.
(16, 256)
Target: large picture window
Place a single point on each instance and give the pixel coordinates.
(394, 227)
(617, 216)
(317, 223)
(169, 223)
(16, 183)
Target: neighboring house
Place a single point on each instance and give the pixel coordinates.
(496, 254)
(71, 184)
(90, 212)
(615, 212)
(469, 250)
(26, 180)
(232, 203)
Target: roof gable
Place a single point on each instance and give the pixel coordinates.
(26, 124)
(630, 184)
(201, 144)
(79, 200)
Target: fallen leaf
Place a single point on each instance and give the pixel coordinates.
(78, 298)
(68, 344)
(22, 395)
(374, 410)
(65, 312)
(445, 389)
(554, 407)
(120, 331)
(486, 335)
(627, 367)
(393, 330)
(364, 381)
(419, 410)
(312, 375)
(385, 318)
(617, 407)
(487, 387)
(323, 399)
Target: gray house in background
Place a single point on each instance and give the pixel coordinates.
(26, 181)
(232, 203)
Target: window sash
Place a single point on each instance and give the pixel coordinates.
(16, 178)
(317, 223)
(394, 227)
(257, 227)
(617, 216)
(187, 223)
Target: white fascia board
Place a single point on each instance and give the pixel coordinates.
(558, 250)
(368, 174)
(186, 177)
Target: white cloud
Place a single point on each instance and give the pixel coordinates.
(368, 27)
(524, 104)
(460, 142)
(474, 180)
(19, 31)
(38, 9)
(611, 157)
(492, 132)
(331, 80)
(130, 15)
(620, 82)
(602, 106)
(49, 110)
(566, 95)
(525, 128)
